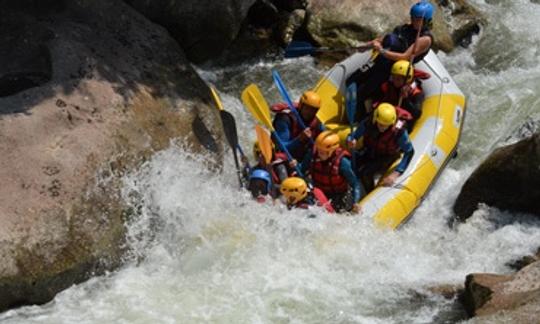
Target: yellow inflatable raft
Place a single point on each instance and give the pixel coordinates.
(435, 135)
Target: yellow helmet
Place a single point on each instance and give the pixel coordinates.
(311, 98)
(385, 114)
(404, 69)
(294, 189)
(327, 142)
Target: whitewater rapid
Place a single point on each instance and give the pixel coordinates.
(204, 252)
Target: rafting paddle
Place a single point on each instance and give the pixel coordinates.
(350, 104)
(257, 105)
(285, 95)
(229, 127)
(265, 143)
(298, 49)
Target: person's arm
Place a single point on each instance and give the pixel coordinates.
(408, 151)
(414, 105)
(345, 169)
(424, 43)
(305, 164)
(406, 146)
(359, 132)
(282, 125)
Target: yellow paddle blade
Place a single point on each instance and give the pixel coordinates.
(215, 95)
(265, 143)
(257, 106)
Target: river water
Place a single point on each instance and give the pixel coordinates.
(203, 252)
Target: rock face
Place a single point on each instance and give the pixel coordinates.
(206, 28)
(341, 23)
(203, 28)
(89, 90)
(507, 179)
(488, 294)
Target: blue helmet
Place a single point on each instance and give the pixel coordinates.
(262, 175)
(422, 9)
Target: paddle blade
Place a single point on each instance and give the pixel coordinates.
(351, 102)
(265, 143)
(257, 105)
(215, 95)
(229, 127)
(297, 49)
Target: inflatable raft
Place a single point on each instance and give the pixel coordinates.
(435, 135)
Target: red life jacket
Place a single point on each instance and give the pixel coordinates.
(386, 143)
(391, 94)
(326, 174)
(283, 108)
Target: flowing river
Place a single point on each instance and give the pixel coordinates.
(204, 252)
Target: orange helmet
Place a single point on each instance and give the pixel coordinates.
(311, 98)
(327, 142)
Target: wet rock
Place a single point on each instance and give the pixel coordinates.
(111, 102)
(25, 59)
(507, 179)
(487, 294)
(203, 28)
(290, 5)
(524, 261)
(289, 24)
(350, 22)
(528, 129)
(263, 14)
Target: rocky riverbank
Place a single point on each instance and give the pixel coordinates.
(506, 180)
(90, 89)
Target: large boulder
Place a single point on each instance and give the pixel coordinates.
(341, 23)
(204, 28)
(507, 179)
(104, 89)
(489, 294)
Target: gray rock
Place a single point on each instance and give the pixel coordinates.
(347, 23)
(489, 294)
(119, 89)
(203, 28)
(508, 179)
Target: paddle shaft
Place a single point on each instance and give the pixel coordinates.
(411, 59)
(298, 49)
(351, 112)
(285, 95)
(284, 149)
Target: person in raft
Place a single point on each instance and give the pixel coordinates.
(330, 169)
(401, 44)
(278, 167)
(260, 185)
(385, 138)
(297, 194)
(297, 140)
(405, 86)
